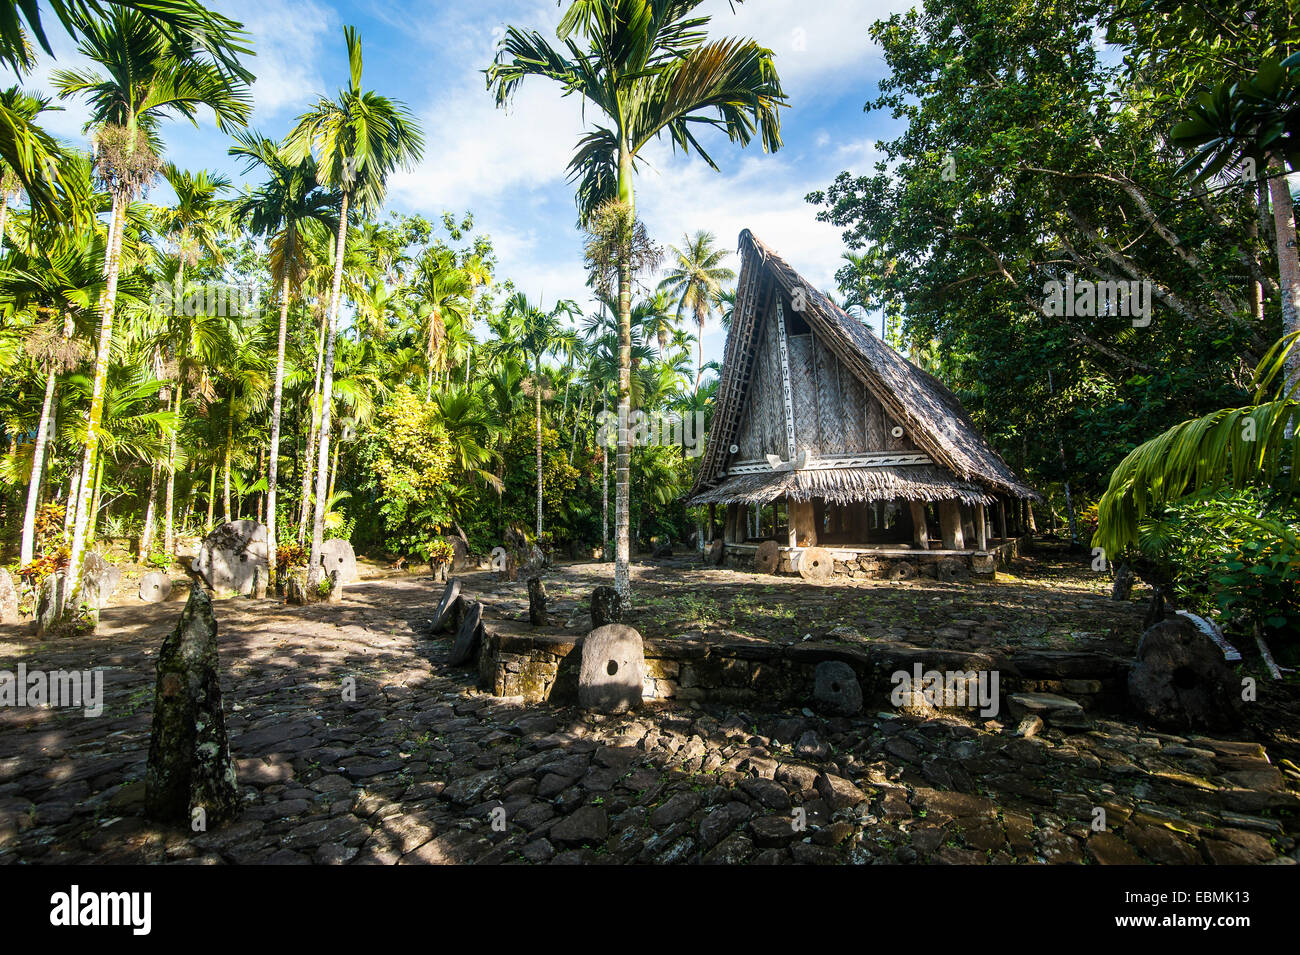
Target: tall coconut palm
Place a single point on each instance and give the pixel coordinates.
(696, 279)
(146, 77)
(649, 68)
(280, 208)
(62, 278)
(532, 333)
(478, 272)
(441, 291)
(25, 107)
(359, 138)
(194, 223)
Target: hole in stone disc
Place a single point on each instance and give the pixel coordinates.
(835, 687)
(611, 667)
(1184, 678)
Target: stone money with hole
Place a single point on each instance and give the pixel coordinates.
(229, 555)
(612, 675)
(155, 587)
(1180, 680)
(337, 554)
(836, 689)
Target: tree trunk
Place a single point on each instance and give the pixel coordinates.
(622, 549)
(604, 503)
(212, 494)
(699, 354)
(537, 402)
(28, 547)
(334, 471)
(70, 505)
(169, 532)
(312, 435)
(150, 515)
(577, 423)
(225, 468)
(1288, 266)
(94, 500)
(277, 402)
(327, 397)
(94, 417)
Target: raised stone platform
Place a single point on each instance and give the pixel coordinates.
(540, 666)
(882, 561)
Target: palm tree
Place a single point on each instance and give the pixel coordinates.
(648, 67)
(243, 382)
(1254, 121)
(359, 138)
(441, 291)
(532, 332)
(281, 208)
(195, 223)
(1230, 448)
(478, 272)
(696, 281)
(62, 278)
(23, 107)
(147, 76)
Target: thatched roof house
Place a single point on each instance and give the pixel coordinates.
(861, 447)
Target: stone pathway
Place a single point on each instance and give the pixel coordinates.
(423, 768)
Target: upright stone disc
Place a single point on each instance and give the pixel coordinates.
(768, 557)
(155, 587)
(337, 554)
(443, 614)
(716, 550)
(903, 570)
(467, 638)
(815, 563)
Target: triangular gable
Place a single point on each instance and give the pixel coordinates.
(931, 417)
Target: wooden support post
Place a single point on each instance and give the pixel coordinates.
(803, 520)
(981, 527)
(920, 530)
(730, 533)
(791, 537)
(1002, 519)
(713, 523)
(950, 525)
(968, 522)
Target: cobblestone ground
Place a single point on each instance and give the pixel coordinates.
(412, 771)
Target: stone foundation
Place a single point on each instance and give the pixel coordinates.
(544, 667)
(880, 562)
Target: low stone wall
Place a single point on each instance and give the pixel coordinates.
(883, 563)
(544, 667)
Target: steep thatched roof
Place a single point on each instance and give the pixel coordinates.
(964, 466)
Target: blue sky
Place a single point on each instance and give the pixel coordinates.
(508, 167)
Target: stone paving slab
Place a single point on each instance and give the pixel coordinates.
(422, 768)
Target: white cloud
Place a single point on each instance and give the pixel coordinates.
(289, 37)
(816, 44)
